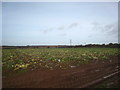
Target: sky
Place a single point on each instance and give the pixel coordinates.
(56, 23)
(0, 24)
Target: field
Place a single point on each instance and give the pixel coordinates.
(16, 62)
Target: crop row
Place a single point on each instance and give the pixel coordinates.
(52, 58)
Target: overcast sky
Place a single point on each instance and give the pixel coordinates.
(33, 23)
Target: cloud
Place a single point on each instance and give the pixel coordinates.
(97, 26)
(108, 28)
(89, 36)
(96, 23)
(112, 28)
(73, 25)
(47, 30)
(61, 28)
(63, 34)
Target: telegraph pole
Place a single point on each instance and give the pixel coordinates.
(70, 42)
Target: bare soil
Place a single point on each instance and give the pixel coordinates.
(86, 75)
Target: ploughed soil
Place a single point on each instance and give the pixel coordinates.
(85, 75)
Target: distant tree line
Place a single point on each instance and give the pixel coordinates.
(110, 45)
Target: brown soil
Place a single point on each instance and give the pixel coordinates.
(76, 77)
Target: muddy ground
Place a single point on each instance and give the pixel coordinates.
(86, 75)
